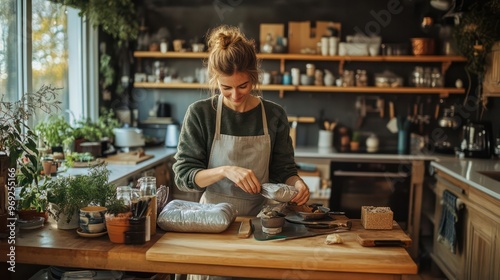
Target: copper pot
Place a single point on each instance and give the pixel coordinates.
(422, 46)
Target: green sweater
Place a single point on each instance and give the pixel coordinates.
(197, 134)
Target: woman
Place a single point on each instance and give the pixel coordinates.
(232, 143)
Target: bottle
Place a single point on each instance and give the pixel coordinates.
(147, 188)
(163, 46)
(287, 79)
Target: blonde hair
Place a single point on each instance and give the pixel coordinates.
(230, 51)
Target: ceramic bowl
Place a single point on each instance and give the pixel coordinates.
(273, 222)
(92, 219)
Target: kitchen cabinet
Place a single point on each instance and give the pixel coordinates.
(445, 61)
(478, 232)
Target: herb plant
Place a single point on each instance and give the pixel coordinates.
(74, 192)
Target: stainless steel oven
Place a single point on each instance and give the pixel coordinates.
(371, 182)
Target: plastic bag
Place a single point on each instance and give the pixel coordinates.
(188, 216)
(278, 192)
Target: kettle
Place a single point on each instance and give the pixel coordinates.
(172, 135)
(164, 110)
(476, 140)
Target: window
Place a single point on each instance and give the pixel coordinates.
(45, 43)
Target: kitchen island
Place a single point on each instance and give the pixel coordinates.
(305, 258)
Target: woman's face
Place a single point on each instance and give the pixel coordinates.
(236, 89)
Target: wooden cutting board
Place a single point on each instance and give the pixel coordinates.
(375, 238)
(130, 158)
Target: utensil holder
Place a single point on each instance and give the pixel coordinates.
(325, 139)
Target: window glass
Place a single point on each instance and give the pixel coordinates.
(50, 48)
(9, 48)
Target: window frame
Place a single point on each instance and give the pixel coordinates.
(82, 52)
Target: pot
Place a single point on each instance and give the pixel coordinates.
(128, 137)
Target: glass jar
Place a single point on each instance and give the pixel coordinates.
(348, 78)
(361, 78)
(417, 78)
(158, 71)
(147, 186)
(124, 193)
(436, 78)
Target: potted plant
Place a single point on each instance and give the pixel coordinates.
(100, 131)
(68, 194)
(117, 220)
(18, 148)
(55, 131)
(32, 200)
(355, 141)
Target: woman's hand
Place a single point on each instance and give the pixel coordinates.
(243, 178)
(303, 196)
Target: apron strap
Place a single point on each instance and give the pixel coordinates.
(264, 118)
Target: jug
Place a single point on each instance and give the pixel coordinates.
(172, 135)
(476, 140)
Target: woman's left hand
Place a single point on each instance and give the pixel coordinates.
(303, 196)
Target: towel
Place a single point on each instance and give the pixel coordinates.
(447, 233)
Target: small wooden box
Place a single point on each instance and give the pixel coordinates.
(376, 217)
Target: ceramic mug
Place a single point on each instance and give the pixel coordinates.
(92, 219)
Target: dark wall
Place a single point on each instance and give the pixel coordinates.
(190, 20)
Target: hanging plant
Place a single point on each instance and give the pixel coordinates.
(478, 30)
(116, 17)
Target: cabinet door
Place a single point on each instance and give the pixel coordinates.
(451, 264)
(162, 175)
(480, 259)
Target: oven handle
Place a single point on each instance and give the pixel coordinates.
(370, 174)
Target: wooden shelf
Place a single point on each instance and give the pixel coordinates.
(292, 56)
(445, 61)
(443, 92)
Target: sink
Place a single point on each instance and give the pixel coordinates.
(495, 175)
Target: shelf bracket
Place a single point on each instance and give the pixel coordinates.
(281, 93)
(445, 66)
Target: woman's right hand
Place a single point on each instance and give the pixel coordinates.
(243, 178)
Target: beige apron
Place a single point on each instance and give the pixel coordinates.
(250, 152)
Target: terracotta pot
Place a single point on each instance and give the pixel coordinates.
(31, 214)
(117, 226)
(354, 146)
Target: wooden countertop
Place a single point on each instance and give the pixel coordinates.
(308, 257)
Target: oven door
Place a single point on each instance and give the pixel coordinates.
(356, 184)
